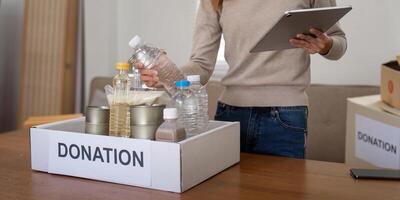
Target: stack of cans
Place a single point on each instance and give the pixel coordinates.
(97, 120)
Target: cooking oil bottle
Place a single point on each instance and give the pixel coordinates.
(119, 111)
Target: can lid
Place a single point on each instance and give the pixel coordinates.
(182, 83)
(170, 113)
(135, 41)
(104, 108)
(193, 78)
(122, 66)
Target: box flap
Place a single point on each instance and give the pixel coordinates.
(393, 65)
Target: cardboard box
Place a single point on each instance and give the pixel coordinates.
(390, 84)
(62, 148)
(372, 135)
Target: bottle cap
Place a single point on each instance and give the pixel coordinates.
(193, 78)
(182, 83)
(122, 66)
(170, 113)
(135, 41)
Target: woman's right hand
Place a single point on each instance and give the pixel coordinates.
(148, 76)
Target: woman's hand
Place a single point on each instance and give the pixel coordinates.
(318, 42)
(148, 76)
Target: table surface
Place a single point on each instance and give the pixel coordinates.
(256, 177)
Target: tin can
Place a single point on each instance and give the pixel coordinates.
(97, 120)
(145, 120)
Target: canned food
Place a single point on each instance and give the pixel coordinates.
(145, 120)
(147, 115)
(97, 120)
(98, 114)
(144, 131)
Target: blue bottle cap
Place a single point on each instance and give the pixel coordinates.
(182, 83)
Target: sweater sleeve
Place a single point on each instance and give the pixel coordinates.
(206, 41)
(339, 45)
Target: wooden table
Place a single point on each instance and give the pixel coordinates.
(256, 177)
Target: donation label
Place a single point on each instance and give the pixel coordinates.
(106, 158)
(377, 143)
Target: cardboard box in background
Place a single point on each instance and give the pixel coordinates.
(63, 148)
(372, 135)
(390, 83)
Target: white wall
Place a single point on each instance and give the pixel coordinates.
(100, 39)
(373, 36)
(11, 26)
(109, 25)
(372, 28)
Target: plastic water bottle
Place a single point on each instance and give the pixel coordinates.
(171, 130)
(136, 82)
(201, 93)
(119, 111)
(153, 58)
(188, 106)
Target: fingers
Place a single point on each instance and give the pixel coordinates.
(139, 66)
(319, 34)
(307, 38)
(309, 47)
(321, 43)
(148, 72)
(299, 43)
(312, 40)
(149, 77)
(325, 42)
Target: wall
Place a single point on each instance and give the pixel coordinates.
(11, 27)
(109, 25)
(371, 28)
(100, 39)
(373, 33)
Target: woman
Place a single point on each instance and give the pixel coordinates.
(264, 91)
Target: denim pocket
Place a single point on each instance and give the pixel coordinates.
(222, 109)
(293, 118)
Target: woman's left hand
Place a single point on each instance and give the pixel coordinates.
(318, 42)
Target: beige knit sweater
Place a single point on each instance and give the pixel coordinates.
(276, 78)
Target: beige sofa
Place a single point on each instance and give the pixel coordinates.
(327, 117)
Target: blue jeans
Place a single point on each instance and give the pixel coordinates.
(277, 131)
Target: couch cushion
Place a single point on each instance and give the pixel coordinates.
(97, 96)
(327, 120)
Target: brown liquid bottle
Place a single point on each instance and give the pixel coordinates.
(171, 130)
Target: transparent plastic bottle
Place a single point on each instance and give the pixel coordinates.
(201, 93)
(188, 107)
(153, 58)
(119, 109)
(171, 130)
(136, 82)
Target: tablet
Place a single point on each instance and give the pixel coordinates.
(375, 174)
(299, 21)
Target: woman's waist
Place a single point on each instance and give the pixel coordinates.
(265, 96)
